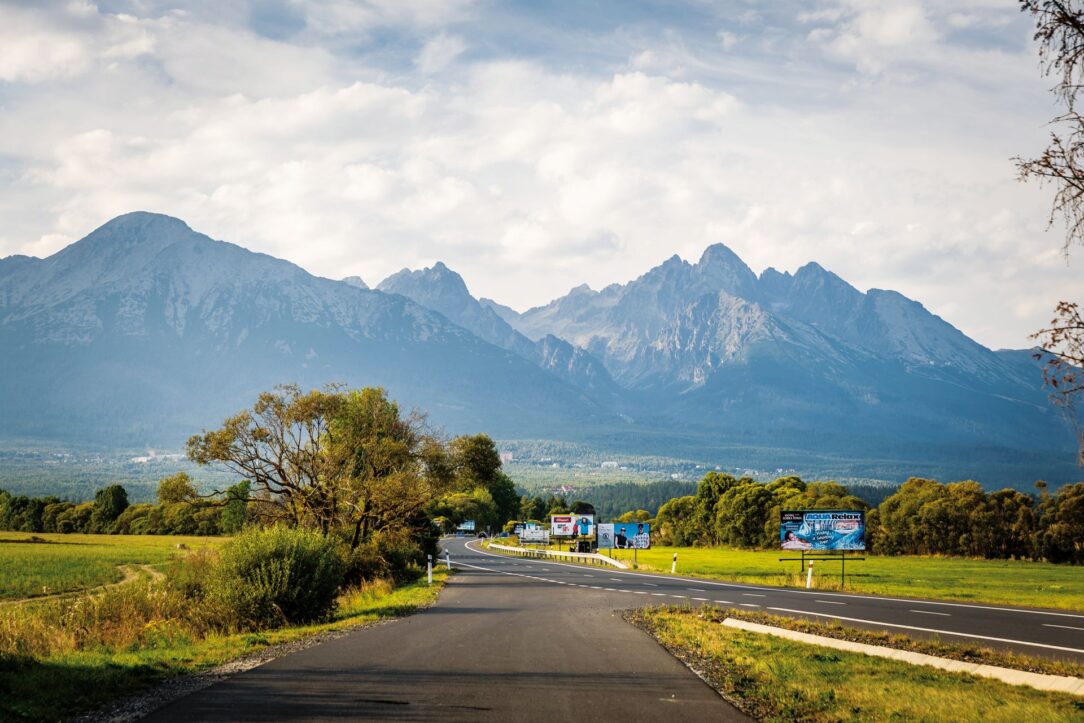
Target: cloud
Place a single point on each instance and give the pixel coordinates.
(438, 52)
(556, 156)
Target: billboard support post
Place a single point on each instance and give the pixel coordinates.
(809, 576)
(673, 565)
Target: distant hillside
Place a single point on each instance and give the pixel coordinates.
(146, 331)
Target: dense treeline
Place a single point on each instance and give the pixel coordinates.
(179, 511)
(922, 517)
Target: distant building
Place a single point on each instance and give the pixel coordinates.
(609, 465)
(507, 457)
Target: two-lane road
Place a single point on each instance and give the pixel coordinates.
(523, 639)
(1038, 632)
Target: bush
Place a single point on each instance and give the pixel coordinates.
(275, 576)
(389, 554)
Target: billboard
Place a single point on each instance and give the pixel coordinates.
(534, 534)
(571, 525)
(822, 530)
(625, 535)
(467, 525)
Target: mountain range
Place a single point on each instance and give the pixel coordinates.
(146, 331)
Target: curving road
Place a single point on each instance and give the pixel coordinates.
(1037, 632)
(521, 639)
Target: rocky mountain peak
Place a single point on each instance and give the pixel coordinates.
(356, 281)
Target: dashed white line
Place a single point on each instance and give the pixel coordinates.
(639, 592)
(724, 602)
(749, 605)
(928, 630)
(930, 612)
(752, 594)
(702, 599)
(696, 589)
(1065, 627)
(829, 602)
(658, 594)
(651, 584)
(680, 596)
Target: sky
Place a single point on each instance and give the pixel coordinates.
(534, 146)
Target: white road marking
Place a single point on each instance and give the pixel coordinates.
(724, 602)
(625, 591)
(651, 584)
(658, 594)
(749, 605)
(1065, 627)
(830, 602)
(789, 591)
(696, 589)
(929, 612)
(639, 592)
(680, 596)
(703, 599)
(617, 579)
(752, 594)
(930, 630)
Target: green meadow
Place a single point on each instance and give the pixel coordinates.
(39, 564)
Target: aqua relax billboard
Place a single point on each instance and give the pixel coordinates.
(822, 530)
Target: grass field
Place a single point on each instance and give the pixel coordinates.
(55, 687)
(776, 679)
(1009, 582)
(66, 563)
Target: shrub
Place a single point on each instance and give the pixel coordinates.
(275, 576)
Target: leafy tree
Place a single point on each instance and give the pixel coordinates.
(713, 486)
(741, 514)
(176, 488)
(477, 463)
(677, 521)
(109, 503)
(1059, 30)
(235, 509)
(579, 507)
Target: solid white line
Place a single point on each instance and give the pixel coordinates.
(929, 612)
(829, 602)
(790, 591)
(1064, 627)
(929, 630)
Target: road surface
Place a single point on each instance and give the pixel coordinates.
(523, 639)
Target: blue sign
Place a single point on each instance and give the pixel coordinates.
(822, 530)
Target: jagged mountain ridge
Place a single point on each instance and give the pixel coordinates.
(146, 331)
(442, 290)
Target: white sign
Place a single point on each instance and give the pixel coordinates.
(605, 536)
(534, 534)
(467, 525)
(571, 525)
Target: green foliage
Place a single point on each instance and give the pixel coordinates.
(269, 577)
(176, 488)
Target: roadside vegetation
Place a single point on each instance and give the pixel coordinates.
(49, 564)
(343, 500)
(772, 678)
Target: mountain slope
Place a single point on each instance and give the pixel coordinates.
(145, 331)
(442, 290)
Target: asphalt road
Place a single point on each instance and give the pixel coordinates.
(497, 645)
(1042, 633)
(523, 639)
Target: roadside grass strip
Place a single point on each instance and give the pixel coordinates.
(1039, 681)
(55, 685)
(771, 677)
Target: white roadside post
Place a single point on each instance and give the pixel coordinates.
(429, 568)
(448, 559)
(809, 576)
(673, 565)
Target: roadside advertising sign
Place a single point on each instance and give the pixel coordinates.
(624, 535)
(569, 525)
(466, 525)
(534, 534)
(517, 528)
(830, 530)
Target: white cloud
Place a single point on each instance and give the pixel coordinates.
(438, 52)
(530, 177)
